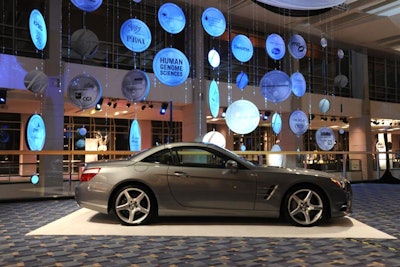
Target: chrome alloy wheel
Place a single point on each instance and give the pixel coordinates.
(305, 207)
(132, 205)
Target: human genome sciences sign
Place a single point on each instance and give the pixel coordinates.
(171, 66)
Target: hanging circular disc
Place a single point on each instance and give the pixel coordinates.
(242, 48)
(213, 21)
(135, 85)
(275, 46)
(171, 18)
(275, 86)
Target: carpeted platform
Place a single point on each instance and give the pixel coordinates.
(87, 222)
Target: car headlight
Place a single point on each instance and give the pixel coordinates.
(340, 183)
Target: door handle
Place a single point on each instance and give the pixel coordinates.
(180, 174)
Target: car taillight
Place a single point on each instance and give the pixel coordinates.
(89, 174)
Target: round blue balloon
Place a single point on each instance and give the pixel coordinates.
(135, 35)
(171, 66)
(298, 84)
(242, 48)
(87, 5)
(275, 86)
(37, 29)
(213, 98)
(242, 80)
(213, 21)
(171, 18)
(275, 46)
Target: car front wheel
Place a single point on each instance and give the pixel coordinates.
(305, 206)
(133, 205)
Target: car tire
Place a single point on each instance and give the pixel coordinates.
(305, 206)
(134, 205)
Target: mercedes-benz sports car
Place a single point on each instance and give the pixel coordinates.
(200, 179)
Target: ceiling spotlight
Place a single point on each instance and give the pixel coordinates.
(109, 104)
(115, 105)
(3, 96)
(164, 107)
(266, 115)
(98, 105)
(143, 107)
(128, 105)
(150, 106)
(223, 114)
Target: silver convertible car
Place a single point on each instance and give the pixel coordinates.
(200, 179)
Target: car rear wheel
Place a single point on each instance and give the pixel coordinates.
(133, 205)
(305, 206)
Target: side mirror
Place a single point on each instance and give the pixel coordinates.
(232, 165)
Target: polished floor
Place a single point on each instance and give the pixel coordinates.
(375, 204)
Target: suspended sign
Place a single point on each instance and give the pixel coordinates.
(275, 46)
(84, 42)
(276, 123)
(242, 116)
(297, 46)
(242, 48)
(171, 66)
(324, 105)
(135, 35)
(36, 81)
(275, 160)
(242, 80)
(325, 138)
(213, 58)
(171, 18)
(135, 138)
(298, 84)
(135, 85)
(298, 122)
(213, 22)
(213, 98)
(37, 29)
(35, 133)
(84, 91)
(215, 138)
(275, 86)
(87, 5)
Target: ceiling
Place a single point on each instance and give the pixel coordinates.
(363, 23)
(357, 22)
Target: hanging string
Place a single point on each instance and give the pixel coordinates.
(229, 26)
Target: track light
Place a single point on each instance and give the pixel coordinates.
(150, 106)
(109, 103)
(223, 114)
(98, 105)
(266, 115)
(115, 105)
(128, 105)
(164, 107)
(143, 107)
(3, 96)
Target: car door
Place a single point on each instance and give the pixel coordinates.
(202, 180)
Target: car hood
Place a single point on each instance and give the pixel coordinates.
(302, 171)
